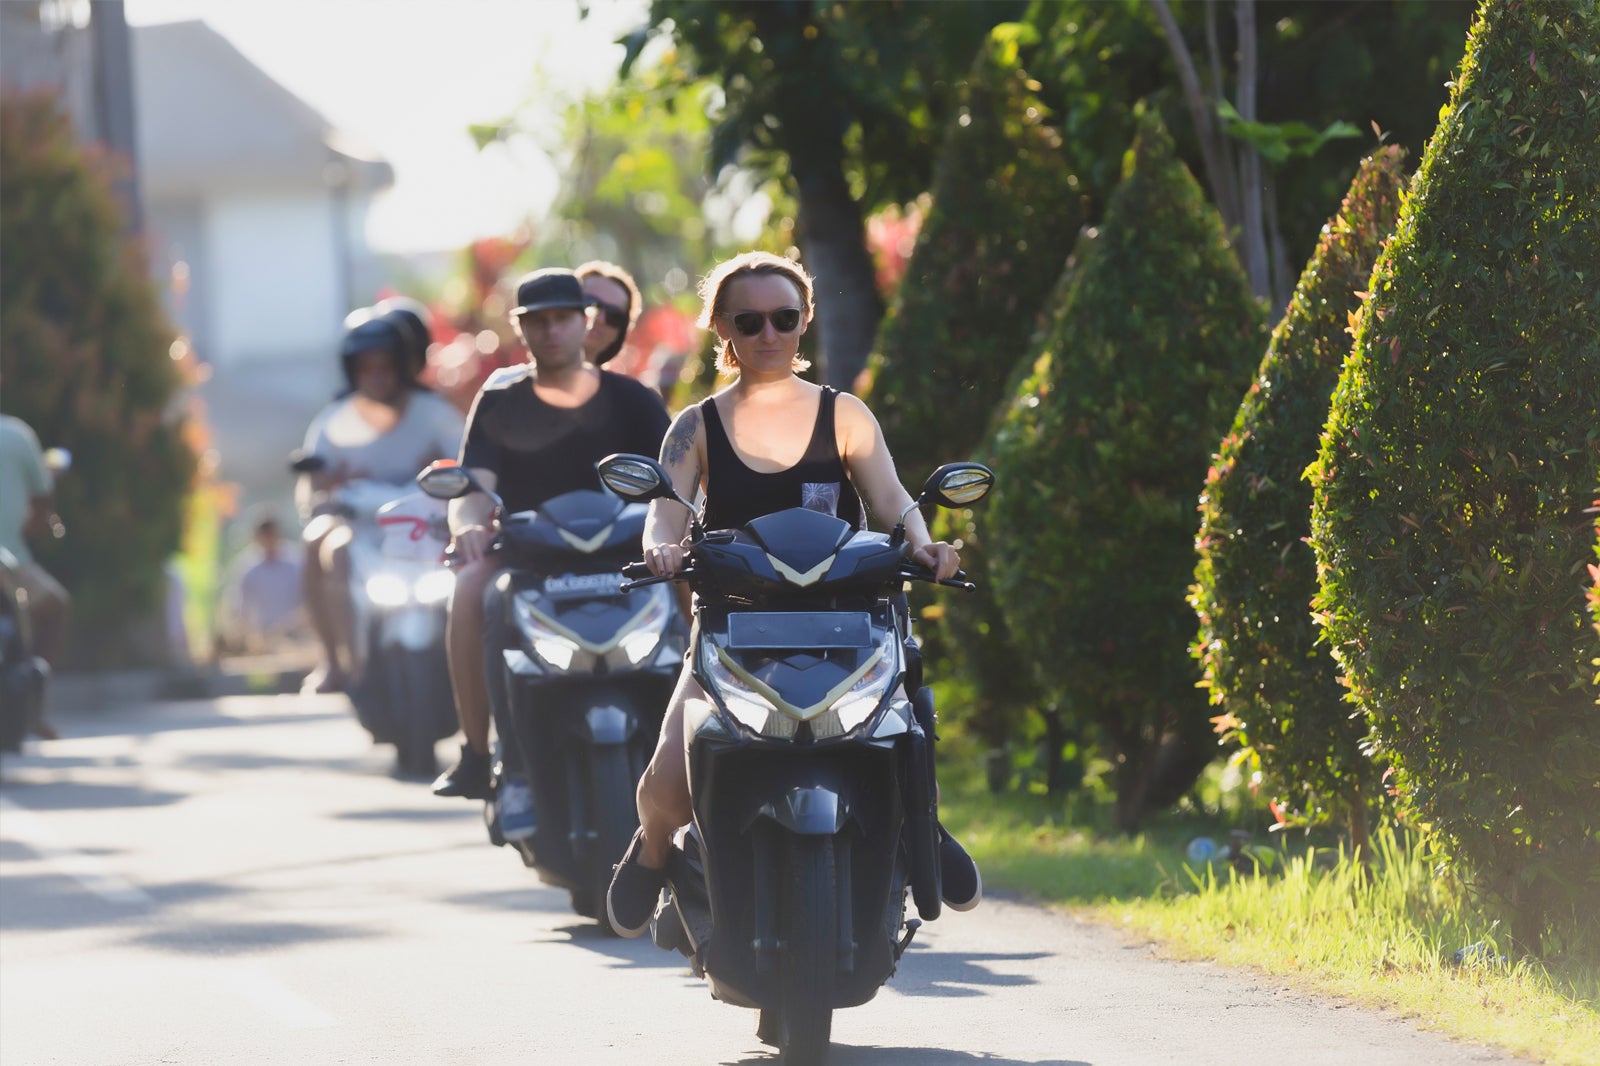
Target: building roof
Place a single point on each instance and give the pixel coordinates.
(208, 119)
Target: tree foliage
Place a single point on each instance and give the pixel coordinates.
(1276, 688)
(1005, 209)
(1462, 445)
(84, 358)
(842, 100)
(1317, 65)
(1098, 459)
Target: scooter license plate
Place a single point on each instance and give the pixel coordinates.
(792, 630)
(582, 586)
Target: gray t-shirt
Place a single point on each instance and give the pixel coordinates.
(23, 477)
(430, 428)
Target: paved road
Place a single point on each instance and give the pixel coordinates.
(240, 881)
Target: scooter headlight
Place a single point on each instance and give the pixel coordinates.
(388, 590)
(856, 706)
(556, 649)
(644, 632)
(434, 587)
(744, 704)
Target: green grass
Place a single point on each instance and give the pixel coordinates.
(1381, 936)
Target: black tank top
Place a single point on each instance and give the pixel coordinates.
(735, 494)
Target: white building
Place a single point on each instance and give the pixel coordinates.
(254, 204)
(255, 214)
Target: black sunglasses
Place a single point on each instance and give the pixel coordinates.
(615, 317)
(751, 323)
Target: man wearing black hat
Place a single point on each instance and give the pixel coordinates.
(533, 433)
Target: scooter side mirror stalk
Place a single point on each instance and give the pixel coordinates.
(952, 485)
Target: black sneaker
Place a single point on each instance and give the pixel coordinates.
(469, 777)
(961, 884)
(635, 889)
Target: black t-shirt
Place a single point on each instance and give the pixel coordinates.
(538, 451)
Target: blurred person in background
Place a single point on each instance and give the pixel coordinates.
(616, 302)
(534, 432)
(27, 509)
(384, 428)
(263, 605)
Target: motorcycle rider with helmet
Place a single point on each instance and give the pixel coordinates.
(384, 427)
(534, 432)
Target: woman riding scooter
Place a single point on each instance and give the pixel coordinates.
(384, 427)
(769, 441)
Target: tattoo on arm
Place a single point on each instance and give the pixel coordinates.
(679, 445)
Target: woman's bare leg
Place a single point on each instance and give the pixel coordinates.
(663, 793)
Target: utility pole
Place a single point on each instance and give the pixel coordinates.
(113, 102)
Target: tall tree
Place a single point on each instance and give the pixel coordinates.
(1005, 207)
(1005, 210)
(84, 356)
(1461, 450)
(1099, 456)
(1274, 685)
(845, 101)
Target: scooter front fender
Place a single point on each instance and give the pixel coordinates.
(810, 811)
(610, 724)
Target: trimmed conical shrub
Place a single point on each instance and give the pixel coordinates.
(1462, 447)
(1099, 458)
(1275, 687)
(84, 347)
(1004, 214)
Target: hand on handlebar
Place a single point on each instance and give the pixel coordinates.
(472, 543)
(939, 557)
(664, 560)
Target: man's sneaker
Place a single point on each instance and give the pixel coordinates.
(959, 879)
(469, 777)
(631, 900)
(515, 809)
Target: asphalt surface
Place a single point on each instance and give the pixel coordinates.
(240, 880)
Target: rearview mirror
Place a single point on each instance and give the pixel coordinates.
(958, 484)
(636, 478)
(444, 480)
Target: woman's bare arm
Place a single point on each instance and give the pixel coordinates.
(683, 454)
(871, 467)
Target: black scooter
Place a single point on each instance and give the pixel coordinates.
(587, 670)
(811, 769)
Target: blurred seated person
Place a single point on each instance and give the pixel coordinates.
(263, 608)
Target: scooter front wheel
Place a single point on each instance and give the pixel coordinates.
(810, 953)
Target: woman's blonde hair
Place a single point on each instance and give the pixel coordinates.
(714, 284)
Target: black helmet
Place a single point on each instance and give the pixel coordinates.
(365, 330)
(412, 319)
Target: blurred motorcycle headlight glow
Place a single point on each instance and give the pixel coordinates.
(388, 590)
(644, 631)
(434, 586)
(555, 650)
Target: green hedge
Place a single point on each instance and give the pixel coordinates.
(1005, 211)
(1462, 447)
(1276, 689)
(84, 359)
(1099, 458)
